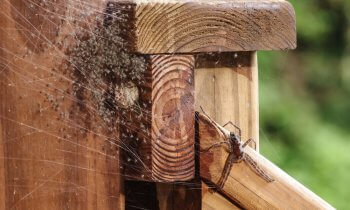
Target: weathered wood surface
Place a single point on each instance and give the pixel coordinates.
(244, 185)
(56, 151)
(163, 137)
(183, 26)
(60, 136)
(214, 201)
(226, 87)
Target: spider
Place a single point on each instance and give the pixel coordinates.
(235, 148)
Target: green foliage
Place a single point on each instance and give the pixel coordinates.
(305, 101)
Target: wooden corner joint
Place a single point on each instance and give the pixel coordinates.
(168, 34)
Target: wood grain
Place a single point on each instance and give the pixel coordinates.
(226, 87)
(167, 152)
(244, 185)
(60, 150)
(212, 200)
(183, 26)
(54, 153)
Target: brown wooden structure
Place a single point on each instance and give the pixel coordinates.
(98, 101)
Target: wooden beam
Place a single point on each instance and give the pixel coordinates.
(163, 136)
(183, 26)
(2, 173)
(212, 200)
(56, 150)
(247, 183)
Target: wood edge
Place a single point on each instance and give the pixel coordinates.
(281, 179)
(282, 6)
(213, 200)
(279, 175)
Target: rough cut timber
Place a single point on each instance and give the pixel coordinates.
(183, 26)
(245, 186)
(163, 137)
(215, 201)
(226, 86)
(55, 150)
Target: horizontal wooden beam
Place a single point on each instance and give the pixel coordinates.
(183, 26)
(254, 184)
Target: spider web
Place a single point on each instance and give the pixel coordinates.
(62, 69)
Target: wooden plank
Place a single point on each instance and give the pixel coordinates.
(163, 137)
(226, 87)
(247, 181)
(183, 26)
(57, 150)
(174, 196)
(212, 200)
(2, 173)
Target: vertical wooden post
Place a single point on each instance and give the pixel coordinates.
(56, 151)
(227, 90)
(2, 173)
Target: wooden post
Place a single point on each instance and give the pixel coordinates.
(227, 89)
(56, 151)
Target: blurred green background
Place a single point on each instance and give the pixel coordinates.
(305, 101)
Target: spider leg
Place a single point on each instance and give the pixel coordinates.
(204, 112)
(248, 141)
(212, 121)
(226, 171)
(238, 128)
(215, 145)
(259, 171)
